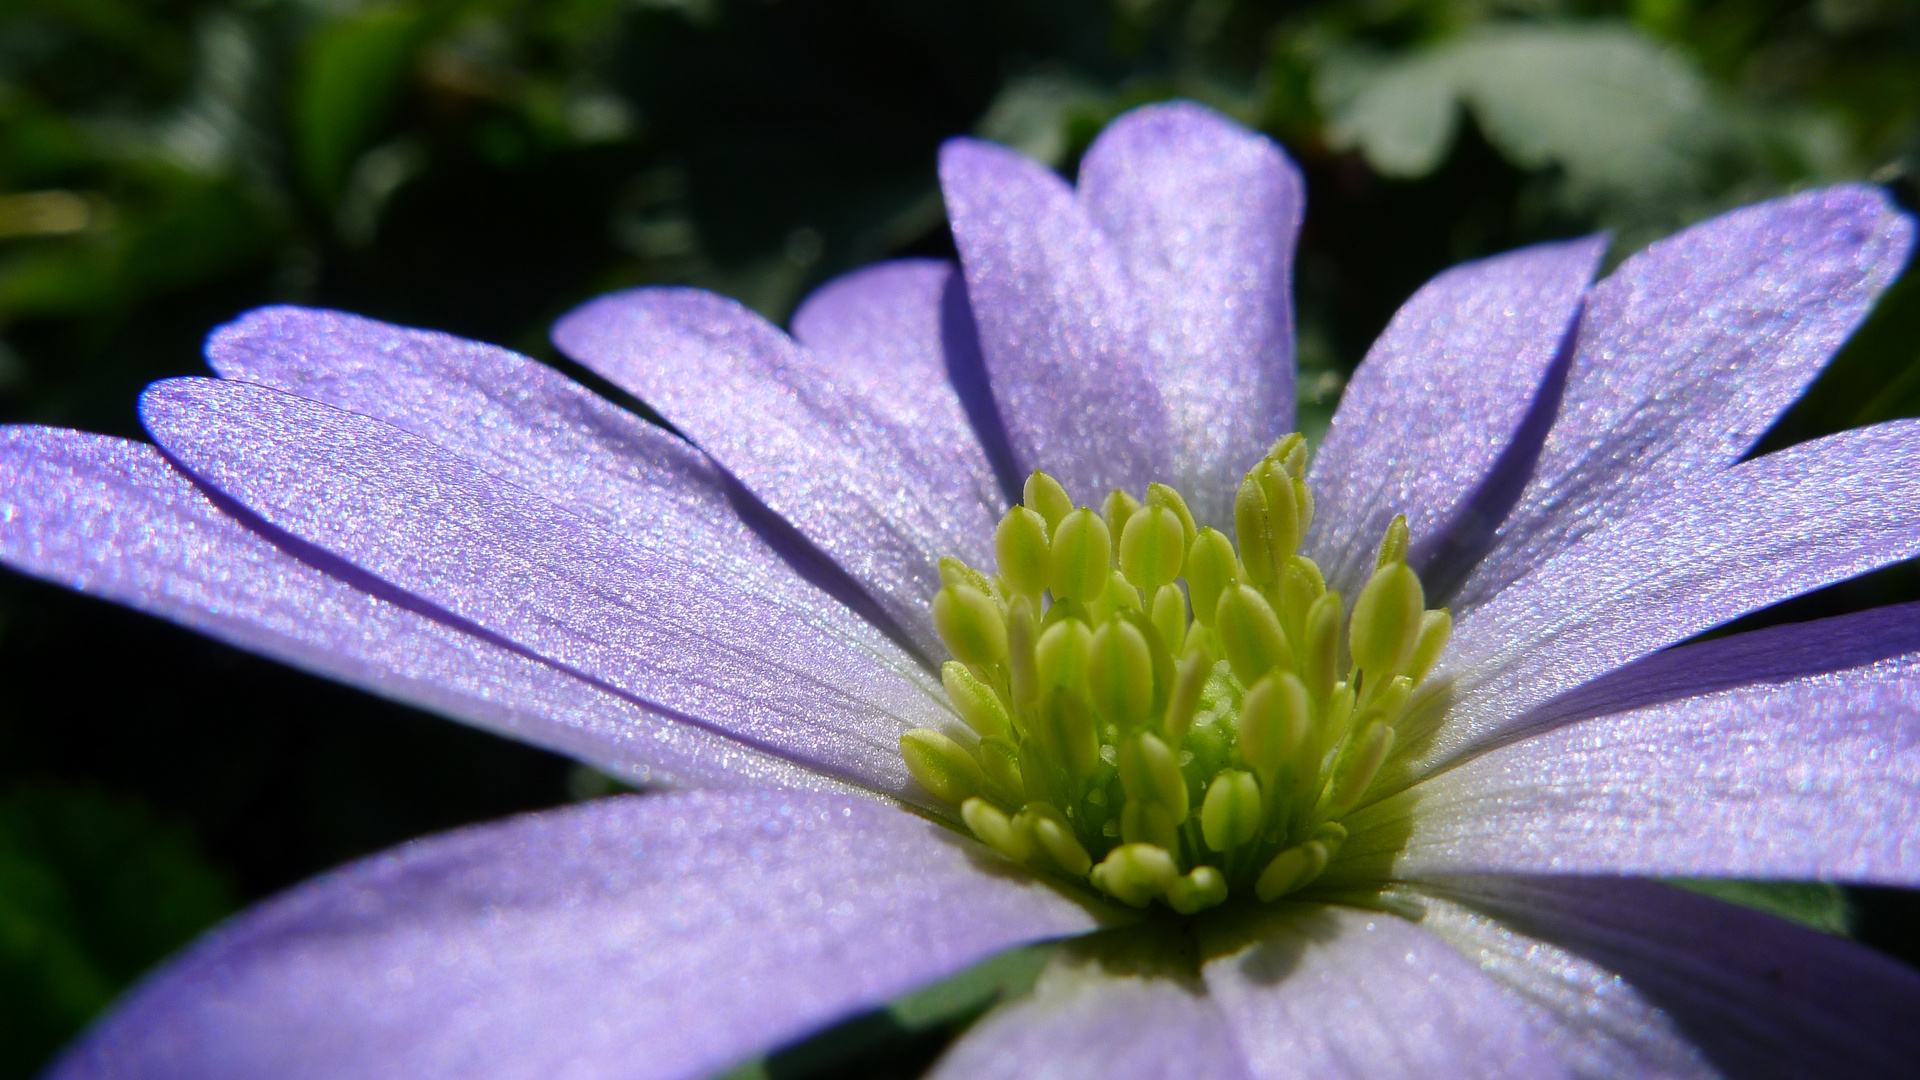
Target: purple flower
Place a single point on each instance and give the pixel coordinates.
(452, 525)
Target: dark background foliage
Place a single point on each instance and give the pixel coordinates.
(479, 166)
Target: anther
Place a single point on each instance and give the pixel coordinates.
(1060, 657)
(1081, 558)
(1162, 495)
(1300, 585)
(1120, 673)
(1020, 545)
(1275, 720)
(1387, 621)
(942, 766)
(1250, 634)
(975, 701)
(1436, 627)
(1211, 567)
(970, 625)
(1291, 870)
(1119, 508)
(1044, 496)
(1357, 768)
(1230, 815)
(1152, 548)
(1055, 837)
(1169, 615)
(996, 830)
(1393, 543)
(1190, 678)
(1320, 657)
(1136, 873)
(1022, 636)
(1198, 890)
(1150, 774)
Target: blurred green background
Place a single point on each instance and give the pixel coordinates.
(479, 166)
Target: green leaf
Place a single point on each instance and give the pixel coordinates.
(94, 889)
(1614, 109)
(350, 73)
(1814, 904)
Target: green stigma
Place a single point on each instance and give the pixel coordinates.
(1163, 711)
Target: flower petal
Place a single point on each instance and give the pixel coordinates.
(1203, 215)
(1687, 354)
(648, 937)
(811, 682)
(1759, 996)
(1818, 778)
(1760, 532)
(1599, 1024)
(1100, 1014)
(901, 332)
(111, 518)
(519, 420)
(1062, 344)
(884, 502)
(1775, 654)
(1333, 992)
(1440, 400)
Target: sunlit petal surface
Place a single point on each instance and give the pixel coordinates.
(809, 682)
(663, 937)
(1439, 400)
(111, 518)
(1751, 536)
(1818, 778)
(1330, 992)
(1062, 343)
(1689, 352)
(1203, 214)
(1759, 998)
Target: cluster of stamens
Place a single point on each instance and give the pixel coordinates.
(1158, 748)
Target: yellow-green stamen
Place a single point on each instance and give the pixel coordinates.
(1113, 737)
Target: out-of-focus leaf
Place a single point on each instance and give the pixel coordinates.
(1030, 114)
(350, 72)
(1815, 904)
(1612, 108)
(1630, 123)
(93, 890)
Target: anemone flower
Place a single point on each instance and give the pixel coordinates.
(1357, 767)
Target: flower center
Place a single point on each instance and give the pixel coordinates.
(1118, 739)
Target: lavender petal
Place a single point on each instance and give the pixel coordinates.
(1100, 1014)
(1442, 398)
(112, 519)
(1599, 1024)
(1813, 779)
(1062, 342)
(1746, 537)
(1203, 215)
(1688, 353)
(842, 468)
(900, 334)
(517, 419)
(1761, 998)
(655, 938)
(1776, 654)
(1333, 992)
(810, 682)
